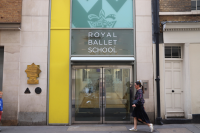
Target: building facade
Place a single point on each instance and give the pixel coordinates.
(102, 40)
(87, 54)
(179, 43)
(24, 40)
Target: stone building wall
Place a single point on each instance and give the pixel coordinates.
(188, 40)
(144, 51)
(21, 48)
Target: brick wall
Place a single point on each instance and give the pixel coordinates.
(175, 5)
(179, 18)
(10, 11)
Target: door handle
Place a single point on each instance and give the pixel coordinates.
(172, 90)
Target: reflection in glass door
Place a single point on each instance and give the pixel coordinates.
(117, 94)
(87, 99)
(101, 94)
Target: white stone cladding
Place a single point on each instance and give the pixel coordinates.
(22, 48)
(144, 53)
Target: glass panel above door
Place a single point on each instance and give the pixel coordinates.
(102, 42)
(102, 14)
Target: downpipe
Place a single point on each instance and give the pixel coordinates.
(156, 34)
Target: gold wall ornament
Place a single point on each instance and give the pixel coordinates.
(33, 72)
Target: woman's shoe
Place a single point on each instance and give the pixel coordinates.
(151, 127)
(132, 129)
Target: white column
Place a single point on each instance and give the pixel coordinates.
(186, 82)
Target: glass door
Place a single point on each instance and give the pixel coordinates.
(87, 101)
(116, 98)
(101, 94)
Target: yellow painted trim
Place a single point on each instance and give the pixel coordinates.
(60, 13)
(60, 28)
(59, 62)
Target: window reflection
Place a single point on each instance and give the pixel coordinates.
(87, 95)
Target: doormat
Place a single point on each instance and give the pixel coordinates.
(174, 130)
(100, 128)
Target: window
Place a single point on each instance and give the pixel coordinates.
(102, 14)
(172, 51)
(195, 4)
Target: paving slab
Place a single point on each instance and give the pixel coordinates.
(197, 125)
(174, 130)
(105, 128)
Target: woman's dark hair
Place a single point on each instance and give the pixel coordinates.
(139, 83)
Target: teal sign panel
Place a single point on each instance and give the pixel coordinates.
(102, 42)
(102, 14)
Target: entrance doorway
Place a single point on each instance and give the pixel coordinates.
(101, 94)
(174, 89)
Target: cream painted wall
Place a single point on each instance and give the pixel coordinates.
(181, 37)
(189, 40)
(186, 87)
(162, 79)
(194, 56)
(144, 51)
(162, 87)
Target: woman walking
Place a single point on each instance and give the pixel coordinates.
(139, 113)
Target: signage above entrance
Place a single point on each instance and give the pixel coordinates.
(102, 14)
(102, 42)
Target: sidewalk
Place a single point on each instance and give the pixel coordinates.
(103, 128)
